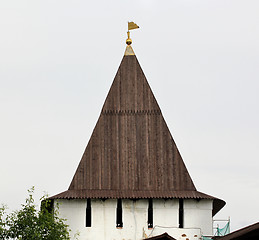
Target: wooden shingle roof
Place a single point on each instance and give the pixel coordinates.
(131, 153)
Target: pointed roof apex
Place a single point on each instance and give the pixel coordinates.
(129, 51)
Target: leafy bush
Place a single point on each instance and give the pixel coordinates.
(29, 223)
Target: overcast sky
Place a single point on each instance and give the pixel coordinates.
(201, 58)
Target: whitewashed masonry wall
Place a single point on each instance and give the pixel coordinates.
(197, 219)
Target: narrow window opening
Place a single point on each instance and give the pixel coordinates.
(150, 213)
(119, 223)
(181, 213)
(88, 219)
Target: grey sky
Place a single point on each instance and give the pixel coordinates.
(201, 58)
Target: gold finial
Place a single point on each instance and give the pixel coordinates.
(131, 25)
(128, 41)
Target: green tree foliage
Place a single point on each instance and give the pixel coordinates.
(30, 223)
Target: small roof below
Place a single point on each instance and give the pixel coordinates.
(250, 232)
(164, 236)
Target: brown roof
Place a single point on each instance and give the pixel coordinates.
(131, 153)
(250, 232)
(163, 236)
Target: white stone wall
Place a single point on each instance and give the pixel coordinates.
(197, 219)
(198, 214)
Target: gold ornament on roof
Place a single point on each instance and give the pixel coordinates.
(131, 26)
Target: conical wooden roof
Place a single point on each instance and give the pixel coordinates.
(131, 153)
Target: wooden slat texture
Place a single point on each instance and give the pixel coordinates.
(135, 140)
(131, 152)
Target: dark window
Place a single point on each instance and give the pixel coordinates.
(180, 213)
(119, 223)
(150, 213)
(88, 219)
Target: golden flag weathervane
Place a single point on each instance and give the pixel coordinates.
(131, 26)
